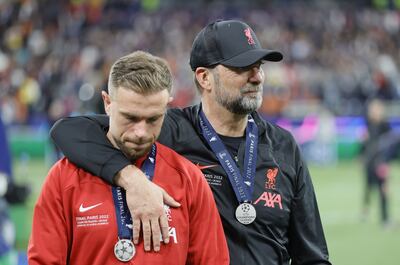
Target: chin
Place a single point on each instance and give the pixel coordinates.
(135, 154)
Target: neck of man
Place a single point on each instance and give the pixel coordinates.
(111, 139)
(223, 121)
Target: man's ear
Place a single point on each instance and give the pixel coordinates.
(204, 77)
(106, 102)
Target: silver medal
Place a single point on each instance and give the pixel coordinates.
(124, 250)
(245, 213)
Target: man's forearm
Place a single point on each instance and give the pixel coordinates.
(84, 142)
(129, 177)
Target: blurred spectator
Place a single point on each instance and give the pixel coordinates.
(317, 138)
(375, 164)
(12, 192)
(15, 193)
(54, 55)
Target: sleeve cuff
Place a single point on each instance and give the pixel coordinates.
(115, 164)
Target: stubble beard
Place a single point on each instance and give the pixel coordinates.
(131, 153)
(241, 104)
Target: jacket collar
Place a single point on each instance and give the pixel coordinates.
(192, 113)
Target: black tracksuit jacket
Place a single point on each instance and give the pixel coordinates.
(287, 229)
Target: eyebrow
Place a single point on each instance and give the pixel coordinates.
(133, 116)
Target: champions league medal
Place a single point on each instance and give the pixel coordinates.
(245, 213)
(124, 250)
(242, 185)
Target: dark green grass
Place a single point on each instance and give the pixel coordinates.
(339, 189)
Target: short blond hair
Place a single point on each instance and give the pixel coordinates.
(141, 72)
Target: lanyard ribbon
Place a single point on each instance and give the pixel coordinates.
(242, 185)
(122, 212)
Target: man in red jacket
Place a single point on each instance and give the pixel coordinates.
(80, 219)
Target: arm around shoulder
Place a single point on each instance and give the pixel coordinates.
(83, 141)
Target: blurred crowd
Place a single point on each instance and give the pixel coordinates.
(55, 55)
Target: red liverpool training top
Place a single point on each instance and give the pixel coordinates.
(75, 220)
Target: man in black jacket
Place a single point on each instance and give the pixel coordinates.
(380, 147)
(260, 182)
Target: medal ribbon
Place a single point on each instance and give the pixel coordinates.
(122, 212)
(243, 186)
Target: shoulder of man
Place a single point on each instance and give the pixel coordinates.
(66, 174)
(178, 125)
(188, 113)
(180, 177)
(179, 163)
(275, 134)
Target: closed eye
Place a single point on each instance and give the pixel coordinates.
(153, 119)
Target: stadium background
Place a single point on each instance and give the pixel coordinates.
(55, 56)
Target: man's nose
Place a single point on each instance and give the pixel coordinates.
(256, 75)
(139, 129)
